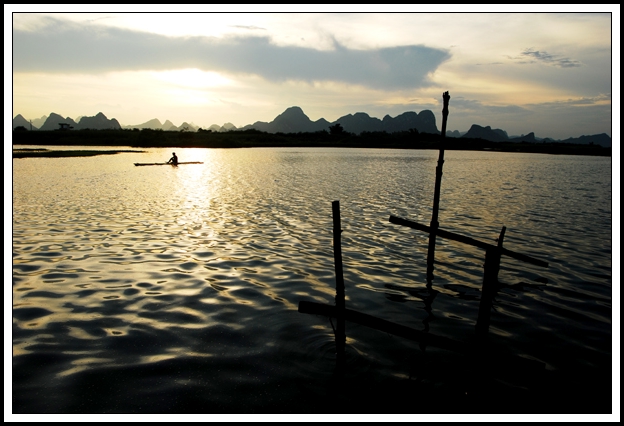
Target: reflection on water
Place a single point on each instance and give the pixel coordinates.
(175, 289)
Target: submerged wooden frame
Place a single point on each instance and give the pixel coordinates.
(489, 288)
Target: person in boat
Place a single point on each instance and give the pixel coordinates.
(173, 160)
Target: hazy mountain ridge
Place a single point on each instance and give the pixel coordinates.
(21, 121)
(97, 122)
(487, 133)
(294, 120)
(38, 122)
(154, 124)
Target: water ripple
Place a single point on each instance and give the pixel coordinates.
(160, 290)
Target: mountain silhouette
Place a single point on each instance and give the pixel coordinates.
(21, 121)
(38, 122)
(601, 139)
(187, 127)
(294, 120)
(225, 128)
(486, 133)
(525, 138)
(168, 125)
(359, 122)
(498, 135)
(53, 121)
(98, 122)
(154, 123)
(454, 134)
(424, 122)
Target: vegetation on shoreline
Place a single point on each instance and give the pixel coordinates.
(337, 138)
(29, 153)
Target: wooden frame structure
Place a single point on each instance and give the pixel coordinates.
(493, 255)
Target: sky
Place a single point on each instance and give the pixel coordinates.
(521, 71)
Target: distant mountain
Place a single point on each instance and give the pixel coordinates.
(498, 135)
(293, 120)
(424, 122)
(454, 134)
(38, 122)
(601, 139)
(187, 127)
(98, 122)
(21, 121)
(486, 133)
(53, 121)
(359, 122)
(526, 138)
(168, 125)
(154, 124)
(225, 128)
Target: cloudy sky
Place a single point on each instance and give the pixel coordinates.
(548, 73)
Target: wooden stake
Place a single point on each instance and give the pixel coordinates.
(341, 337)
(436, 194)
(490, 282)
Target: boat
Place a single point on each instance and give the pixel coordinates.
(170, 164)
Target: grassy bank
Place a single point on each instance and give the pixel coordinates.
(253, 138)
(29, 153)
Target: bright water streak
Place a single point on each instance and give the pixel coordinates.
(164, 289)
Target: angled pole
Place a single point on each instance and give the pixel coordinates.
(436, 195)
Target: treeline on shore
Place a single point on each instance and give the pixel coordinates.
(412, 139)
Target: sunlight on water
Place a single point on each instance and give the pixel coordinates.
(154, 281)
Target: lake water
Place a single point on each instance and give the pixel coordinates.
(175, 289)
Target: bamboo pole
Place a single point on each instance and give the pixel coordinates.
(490, 281)
(340, 332)
(412, 334)
(466, 240)
(370, 321)
(436, 194)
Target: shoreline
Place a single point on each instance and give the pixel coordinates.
(257, 139)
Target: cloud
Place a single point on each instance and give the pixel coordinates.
(66, 47)
(472, 105)
(599, 100)
(534, 56)
(100, 18)
(247, 27)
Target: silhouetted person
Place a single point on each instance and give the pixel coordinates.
(173, 160)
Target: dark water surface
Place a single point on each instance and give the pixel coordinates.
(175, 290)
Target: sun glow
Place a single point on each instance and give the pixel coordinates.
(191, 86)
(193, 78)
